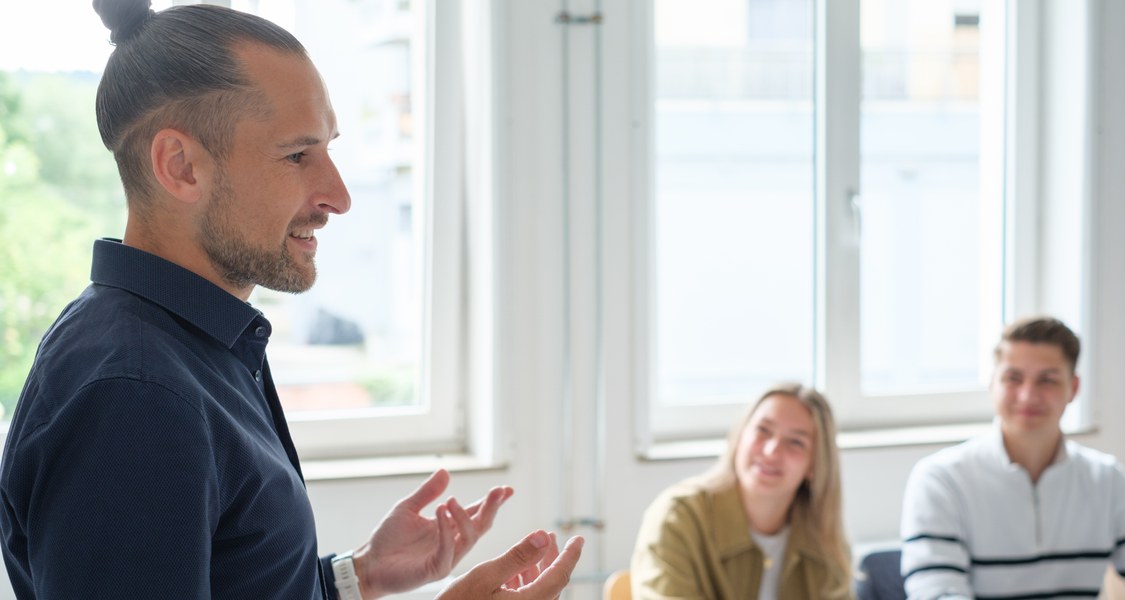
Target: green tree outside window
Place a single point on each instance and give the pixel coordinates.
(59, 191)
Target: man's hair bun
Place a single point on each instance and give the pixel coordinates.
(123, 18)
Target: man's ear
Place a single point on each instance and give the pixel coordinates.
(179, 164)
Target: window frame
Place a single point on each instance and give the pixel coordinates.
(837, 272)
(457, 84)
(453, 85)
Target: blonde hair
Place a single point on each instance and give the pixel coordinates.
(817, 507)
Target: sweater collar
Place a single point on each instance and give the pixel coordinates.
(994, 447)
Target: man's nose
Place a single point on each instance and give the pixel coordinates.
(1026, 391)
(332, 194)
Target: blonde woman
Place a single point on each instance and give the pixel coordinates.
(764, 524)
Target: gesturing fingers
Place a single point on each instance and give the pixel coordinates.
(426, 493)
(488, 505)
(467, 531)
(529, 575)
(514, 573)
(552, 553)
(443, 556)
(477, 518)
(556, 576)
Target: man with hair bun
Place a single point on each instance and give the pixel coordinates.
(1020, 512)
(149, 456)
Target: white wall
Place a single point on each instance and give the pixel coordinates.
(873, 478)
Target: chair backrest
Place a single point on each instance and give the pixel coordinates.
(880, 577)
(617, 586)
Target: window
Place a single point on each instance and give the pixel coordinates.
(58, 183)
(931, 271)
(733, 202)
(372, 360)
(825, 203)
(348, 354)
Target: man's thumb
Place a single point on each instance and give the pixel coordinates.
(519, 557)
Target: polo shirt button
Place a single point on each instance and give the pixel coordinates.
(258, 375)
(260, 331)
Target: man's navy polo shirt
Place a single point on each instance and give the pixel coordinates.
(148, 456)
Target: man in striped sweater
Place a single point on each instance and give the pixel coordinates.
(1020, 512)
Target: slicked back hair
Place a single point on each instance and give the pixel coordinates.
(178, 69)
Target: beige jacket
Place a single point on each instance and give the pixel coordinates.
(695, 543)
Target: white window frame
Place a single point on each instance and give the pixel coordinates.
(457, 87)
(454, 87)
(839, 256)
(1022, 264)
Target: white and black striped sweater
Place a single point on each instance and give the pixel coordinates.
(974, 526)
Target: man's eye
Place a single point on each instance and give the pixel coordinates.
(296, 157)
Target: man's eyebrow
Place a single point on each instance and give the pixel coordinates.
(1047, 371)
(304, 140)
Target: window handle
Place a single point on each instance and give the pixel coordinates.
(855, 206)
(565, 18)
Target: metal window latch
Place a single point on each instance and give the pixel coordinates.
(565, 18)
(855, 207)
(568, 525)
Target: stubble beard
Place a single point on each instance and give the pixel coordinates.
(242, 264)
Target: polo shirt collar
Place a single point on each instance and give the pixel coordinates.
(172, 287)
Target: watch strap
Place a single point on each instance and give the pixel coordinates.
(347, 584)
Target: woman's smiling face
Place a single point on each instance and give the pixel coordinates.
(776, 448)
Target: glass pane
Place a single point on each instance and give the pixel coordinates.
(353, 340)
(59, 188)
(930, 235)
(733, 201)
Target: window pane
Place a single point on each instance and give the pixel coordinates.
(353, 340)
(928, 284)
(733, 201)
(59, 188)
